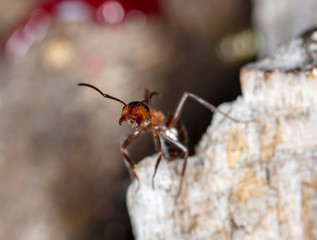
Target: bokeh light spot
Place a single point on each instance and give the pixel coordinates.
(71, 11)
(26, 35)
(111, 12)
(58, 54)
(237, 47)
(135, 20)
(93, 64)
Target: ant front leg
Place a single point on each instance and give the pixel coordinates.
(129, 163)
(159, 150)
(203, 102)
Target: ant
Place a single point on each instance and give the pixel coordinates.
(169, 133)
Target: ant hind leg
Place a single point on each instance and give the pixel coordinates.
(185, 150)
(159, 150)
(203, 102)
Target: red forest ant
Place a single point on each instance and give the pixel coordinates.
(168, 132)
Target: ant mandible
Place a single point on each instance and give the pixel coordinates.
(169, 133)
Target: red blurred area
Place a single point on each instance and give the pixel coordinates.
(37, 22)
(146, 6)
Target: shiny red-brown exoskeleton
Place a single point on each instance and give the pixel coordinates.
(168, 132)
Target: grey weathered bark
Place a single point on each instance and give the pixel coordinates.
(247, 181)
(278, 22)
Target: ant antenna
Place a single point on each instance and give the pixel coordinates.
(103, 94)
(148, 99)
(152, 94)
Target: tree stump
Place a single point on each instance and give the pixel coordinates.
(247, 181)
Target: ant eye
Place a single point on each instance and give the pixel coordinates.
(146, 108)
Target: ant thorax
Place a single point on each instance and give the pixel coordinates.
(157, 118)
(145, 124)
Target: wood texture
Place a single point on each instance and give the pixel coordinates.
(247, 181)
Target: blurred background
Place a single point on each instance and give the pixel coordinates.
(61, 171)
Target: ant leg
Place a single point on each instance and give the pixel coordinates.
(185, 150)
(129, 163)
(203, 102)
(159, 150)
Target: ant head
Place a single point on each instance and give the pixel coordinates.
(135, 113)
